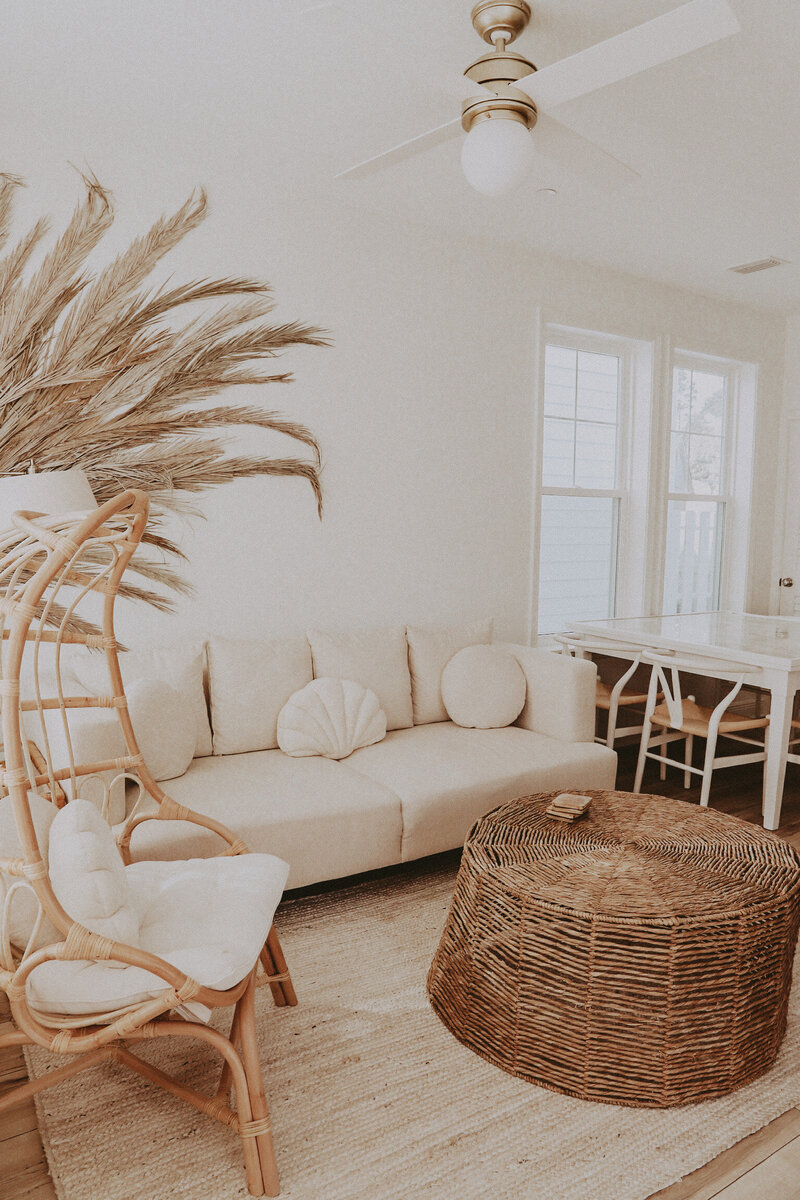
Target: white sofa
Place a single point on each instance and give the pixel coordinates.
(416, 792)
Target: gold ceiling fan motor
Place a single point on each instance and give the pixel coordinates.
(499, 22)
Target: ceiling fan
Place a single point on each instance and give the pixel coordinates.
(506, 96)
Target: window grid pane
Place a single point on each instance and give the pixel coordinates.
(577, 559)
(693, 560)
(581, 408)
(694, 555)
(697, 436)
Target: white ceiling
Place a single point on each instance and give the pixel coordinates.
(160, 94)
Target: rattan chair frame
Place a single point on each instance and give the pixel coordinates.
(665, 679)
(48, 568)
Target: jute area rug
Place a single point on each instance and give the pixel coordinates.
(371, 1097)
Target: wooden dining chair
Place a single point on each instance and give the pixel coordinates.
(679, 718)
(611, 697)
(94, 966)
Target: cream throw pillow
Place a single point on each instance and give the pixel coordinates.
(164, 726)
(375, 658)
(483, 687)
(332, 718)
(181, 666)
(429, 651)
(250, 682)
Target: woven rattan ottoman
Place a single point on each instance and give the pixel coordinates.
(641, 956)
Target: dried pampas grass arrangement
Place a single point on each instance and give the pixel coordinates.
(100, 371)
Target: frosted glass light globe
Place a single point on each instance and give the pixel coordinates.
(497, 155)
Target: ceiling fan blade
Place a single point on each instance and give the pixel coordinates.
(580, 157)
(433, 137)
(687, 28)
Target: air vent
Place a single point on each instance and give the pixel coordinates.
(763, 264)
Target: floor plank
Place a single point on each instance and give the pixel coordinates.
(712, 1180)
(767, 1164)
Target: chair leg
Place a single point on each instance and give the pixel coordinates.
(687, 758)
(226, 1078)
(662, 749)
(611, 728)
(708, 770)
(637, 784)
(255, 1088)
(274, 963)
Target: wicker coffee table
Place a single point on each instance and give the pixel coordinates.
(641, 956)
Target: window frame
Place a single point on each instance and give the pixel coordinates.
(642, 490)
(590, 342)
(736, 468)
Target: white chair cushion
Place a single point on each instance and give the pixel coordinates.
(208, 917)
(375, 658)
(24, 907)
(164, 726)
(88, 874)
(483, 687)
(331, 717)
(249, 683)
(180, 665)
(429, 650)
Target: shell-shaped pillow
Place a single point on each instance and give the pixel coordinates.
(330, 717)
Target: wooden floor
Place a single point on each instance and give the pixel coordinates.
(765, 1166)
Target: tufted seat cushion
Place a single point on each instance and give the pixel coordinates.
(209, 917)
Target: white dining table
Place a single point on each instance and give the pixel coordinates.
(769, 644)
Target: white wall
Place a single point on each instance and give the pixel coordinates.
(424, 411)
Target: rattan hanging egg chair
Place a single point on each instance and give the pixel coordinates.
(75, 986)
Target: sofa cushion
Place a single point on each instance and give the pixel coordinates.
(181, 665)
(429, 651)
(483, 687)
(249, 683)
(375, 658)
(208, 917)
(447, 777)
(323, 818)
(331, 717)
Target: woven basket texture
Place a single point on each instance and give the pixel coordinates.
(640, 956)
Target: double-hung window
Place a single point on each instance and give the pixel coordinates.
(582, 453)
(645, 479)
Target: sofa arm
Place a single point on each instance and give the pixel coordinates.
(560, 700)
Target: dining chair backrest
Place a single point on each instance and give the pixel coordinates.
(666, 677)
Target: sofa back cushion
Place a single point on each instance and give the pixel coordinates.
(375, 658)
(429, 652)
(249, 683)
(164, 727)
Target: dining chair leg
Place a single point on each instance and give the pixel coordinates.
(687, 758)
(708, 769)
(662, 749)
(646, 727)
(611, 728)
